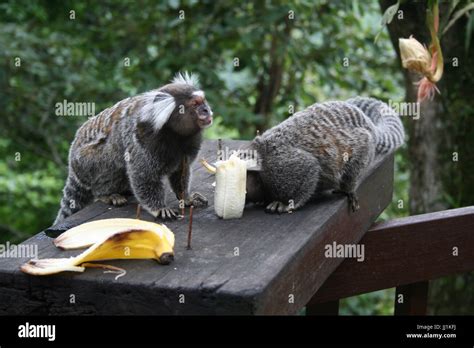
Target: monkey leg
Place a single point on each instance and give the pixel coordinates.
(147, 186)
(291, 176)
(362, 153)
(179, 182)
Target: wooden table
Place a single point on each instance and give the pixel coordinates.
(260, 264)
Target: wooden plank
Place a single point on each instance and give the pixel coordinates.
(260, 264)
(404, 251)
(411, 299)
(326, 308)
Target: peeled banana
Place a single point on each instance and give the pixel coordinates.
(229, 195)
(88, 233)
(138, 242)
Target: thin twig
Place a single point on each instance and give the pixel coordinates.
(184, 163)
(190, 229)
(220, 155)
(139, 210)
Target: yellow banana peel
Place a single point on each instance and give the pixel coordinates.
(145, 240)
(88, 233)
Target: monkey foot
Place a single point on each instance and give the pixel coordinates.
(197, 200)
(277, 207)
(166, 214)
(114, 199)
(352, 197)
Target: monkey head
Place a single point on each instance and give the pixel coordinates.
(180, 106)
(192, 112)
(254, 188)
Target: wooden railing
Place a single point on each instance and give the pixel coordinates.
(404, 253)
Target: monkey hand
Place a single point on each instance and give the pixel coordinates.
(165, 214)
(278, 207)
(196, 199)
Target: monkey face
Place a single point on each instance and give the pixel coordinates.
(202, 109)
(192, 112)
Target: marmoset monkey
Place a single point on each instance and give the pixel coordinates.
(131, 146)
(323, 147)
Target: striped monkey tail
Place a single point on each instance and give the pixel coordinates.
(389, 129)
(75, 197)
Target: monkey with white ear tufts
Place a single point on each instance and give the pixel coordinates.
(132, 146)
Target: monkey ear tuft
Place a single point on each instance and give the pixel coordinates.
(157, 108)
(186, 79)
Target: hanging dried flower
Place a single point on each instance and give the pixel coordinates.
(415, 56)
(429, 63)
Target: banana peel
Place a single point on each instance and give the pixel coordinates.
(88, 233)
(130, 243)
(208, 167)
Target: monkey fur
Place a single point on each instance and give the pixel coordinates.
(324, 147)
(132, 146)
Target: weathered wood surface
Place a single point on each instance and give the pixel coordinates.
(405, 251)
(281, 258)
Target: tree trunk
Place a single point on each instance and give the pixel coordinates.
(270, 81)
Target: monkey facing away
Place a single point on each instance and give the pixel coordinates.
(324, 147)
(131, 146)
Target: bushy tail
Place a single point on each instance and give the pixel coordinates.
(75, 197)
(389, 128)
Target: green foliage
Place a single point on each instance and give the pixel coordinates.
(374, 303)
(218, 130)
(452, 295)
(28, 198)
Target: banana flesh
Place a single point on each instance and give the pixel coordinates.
(230, 190)
(131, 243)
